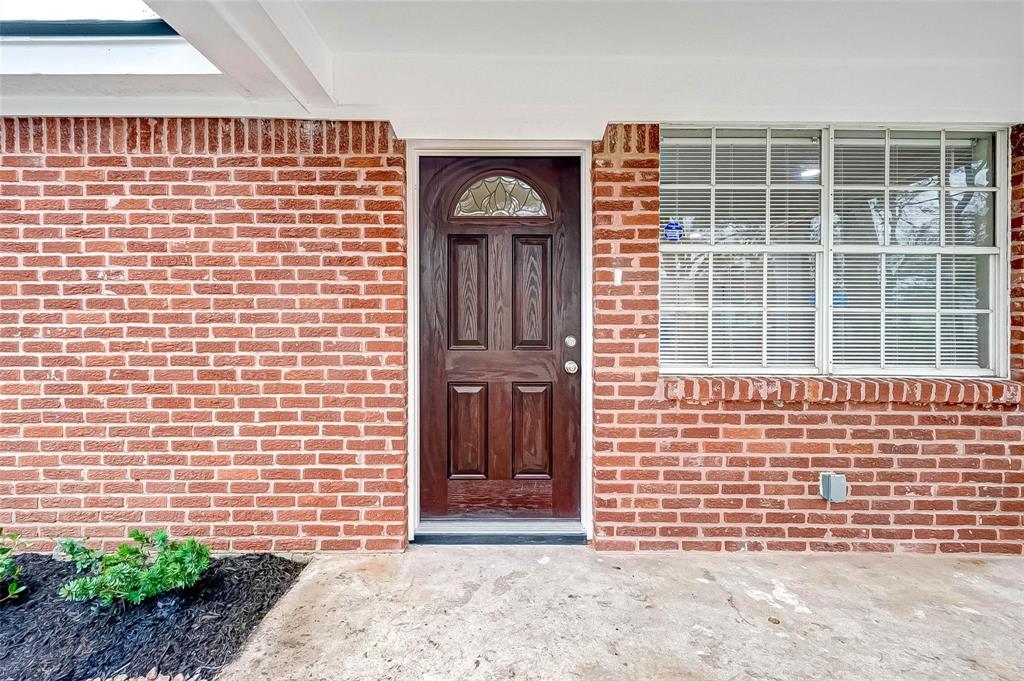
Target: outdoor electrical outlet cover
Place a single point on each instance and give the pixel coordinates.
(833, 486)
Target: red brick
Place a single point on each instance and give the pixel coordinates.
(154, 365)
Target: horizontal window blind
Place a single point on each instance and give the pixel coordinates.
(828, 251)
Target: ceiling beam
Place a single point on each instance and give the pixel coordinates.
(266, 48)
(292, 50)
(208, 31)
(302, 37)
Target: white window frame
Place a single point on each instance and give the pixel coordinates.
(999, 282)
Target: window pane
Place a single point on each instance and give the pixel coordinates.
(910, 339)
(791, 279)
(741, 157)
(970, 220)
(914, 217)
(738, 279)
(500, 196)
(791, 339)
(965, 341)
(684, 338)
(857, 280)
(914, 158)
(970, 159)
(684, 279)
(859, 217)
(796, 216)
(909, 280)
(691, 208)
(859, 157)
(686, 157)
(736, 338)
(965, 280)
(856, 338)
(739, 216)
(796, 157)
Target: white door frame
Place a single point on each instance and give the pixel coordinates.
(417, 149)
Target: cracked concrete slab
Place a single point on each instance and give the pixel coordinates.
(550, 613)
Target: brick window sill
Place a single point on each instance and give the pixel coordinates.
(832, 390)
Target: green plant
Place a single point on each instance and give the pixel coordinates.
(149, 566)
(10, 573)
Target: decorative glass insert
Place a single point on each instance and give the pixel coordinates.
(500, 196)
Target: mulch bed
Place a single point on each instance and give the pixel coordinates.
(192, 631)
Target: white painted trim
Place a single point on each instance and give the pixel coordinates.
(1001, 300)
(417, 149)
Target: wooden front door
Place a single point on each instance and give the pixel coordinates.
(500, 317)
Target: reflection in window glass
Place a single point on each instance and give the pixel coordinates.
(970, 219)
(914, 217)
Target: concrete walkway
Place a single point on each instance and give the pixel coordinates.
(549, 613)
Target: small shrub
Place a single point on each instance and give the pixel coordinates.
(10, 583)
(150, 566)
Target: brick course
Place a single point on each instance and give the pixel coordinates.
(202, 327)
(725, 463)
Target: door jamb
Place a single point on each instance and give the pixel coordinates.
(416, 150)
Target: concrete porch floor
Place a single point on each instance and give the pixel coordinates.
(549, 613)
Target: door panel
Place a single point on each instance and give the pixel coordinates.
(467, 430)
(531, 292)
(500, 416)
(467, 292)
(531, 436)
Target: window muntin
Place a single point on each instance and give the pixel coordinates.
(906, 274)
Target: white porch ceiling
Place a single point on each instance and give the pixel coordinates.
(561, 69)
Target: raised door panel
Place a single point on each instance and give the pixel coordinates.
(467, 292)
(531, 430)
(531, 292)
(467, 431)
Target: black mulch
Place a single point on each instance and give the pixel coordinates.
(201, 629)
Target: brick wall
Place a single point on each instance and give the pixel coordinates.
(202, 327)
(720, 463)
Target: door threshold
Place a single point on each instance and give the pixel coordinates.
(500, 531)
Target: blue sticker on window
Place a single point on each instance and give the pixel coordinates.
(673, 231)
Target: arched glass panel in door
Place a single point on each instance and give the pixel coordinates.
(500, 196)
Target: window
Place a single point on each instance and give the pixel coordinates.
(500, 196)
(818, 251)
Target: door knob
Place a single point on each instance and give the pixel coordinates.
(571, 367)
